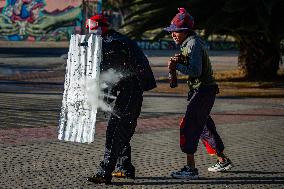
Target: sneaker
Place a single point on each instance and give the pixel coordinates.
(124, 173)
(99, 179)
(219, 167)
(186, 173)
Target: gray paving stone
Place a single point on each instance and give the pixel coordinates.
(252, 130)
(57, 164)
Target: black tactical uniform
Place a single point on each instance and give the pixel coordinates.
(123, 55)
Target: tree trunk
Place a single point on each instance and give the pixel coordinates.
(259, 58)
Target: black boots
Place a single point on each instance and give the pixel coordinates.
(99, 179)
(121, 172)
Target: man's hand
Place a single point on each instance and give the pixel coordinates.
(172, 64)
(178, 58)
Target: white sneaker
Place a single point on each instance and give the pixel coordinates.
(185, 173)
(219, 167)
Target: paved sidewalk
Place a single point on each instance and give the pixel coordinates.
(32, 157)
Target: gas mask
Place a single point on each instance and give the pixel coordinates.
(94, 27)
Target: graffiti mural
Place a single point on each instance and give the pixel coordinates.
(39, 20)
(157, 45)
(169, 45)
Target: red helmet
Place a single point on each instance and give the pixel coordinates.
(98, 21)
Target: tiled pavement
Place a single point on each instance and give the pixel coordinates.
(32, 157)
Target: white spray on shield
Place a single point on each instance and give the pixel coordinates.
(108, 79)
(83, 89)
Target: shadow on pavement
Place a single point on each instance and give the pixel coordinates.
(249, 114)
(211, 181)
(254, 172)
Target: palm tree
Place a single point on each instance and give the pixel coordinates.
(257, 25)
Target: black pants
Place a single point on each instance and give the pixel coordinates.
(121, 125)
(198, 124)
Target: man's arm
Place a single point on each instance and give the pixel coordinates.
(193, 66)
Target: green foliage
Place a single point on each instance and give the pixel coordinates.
(234, 17)
(257, 25)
